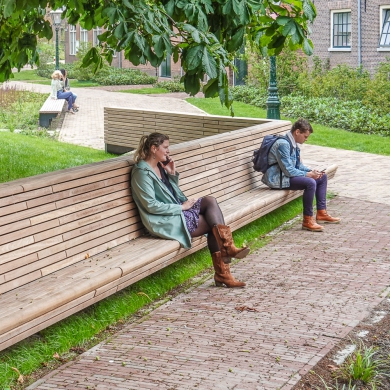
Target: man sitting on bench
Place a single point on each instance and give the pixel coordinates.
(286, 171)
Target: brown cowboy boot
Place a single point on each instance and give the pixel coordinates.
(223, 235)
(323, 216)
(309, 223)
(222, 274)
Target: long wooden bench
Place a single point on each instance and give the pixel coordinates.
(123, 127)
(49, 110)
(73, 237)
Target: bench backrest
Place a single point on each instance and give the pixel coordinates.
(50, 221)
(123, 127)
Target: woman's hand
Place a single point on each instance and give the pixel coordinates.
(314, 174)
(188, 204)
(170, 167)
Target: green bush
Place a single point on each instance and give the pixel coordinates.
(20, 109)
(171, 85)
(118, 76)
(291, 65)
(250, 95)
(332, 112)
(341, 82)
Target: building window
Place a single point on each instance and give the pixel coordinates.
(341, 29)
(95, 40)
(72, 40)
(165, 67)
(385, 28)
(83, 35)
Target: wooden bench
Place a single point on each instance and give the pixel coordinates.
(123, 127)
(50, 109)
(73, 237)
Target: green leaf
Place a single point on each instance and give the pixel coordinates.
(309, 10)
(119, 30)
(307, 47)
(191, 84)
(9, 6)
(282, 20)
(209, 64)
(289, 28)
(159, 46)
(194, 57)
(236, 41)
(210, 90)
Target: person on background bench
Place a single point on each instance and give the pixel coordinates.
(167, 213)
(57, 90)
(287, 171)
(66, 87)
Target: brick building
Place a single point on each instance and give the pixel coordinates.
(352, 32)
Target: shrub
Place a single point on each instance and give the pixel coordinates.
(20, 109)
(250, 95)
(291, 65)
(171, 85)
(342, 82)
(118, 76)
(347, 115)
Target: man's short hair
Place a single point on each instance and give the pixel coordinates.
(302, 125)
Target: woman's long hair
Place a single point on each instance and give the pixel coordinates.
(145, 144)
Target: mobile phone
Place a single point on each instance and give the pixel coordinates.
(323, 170)
(167, 161)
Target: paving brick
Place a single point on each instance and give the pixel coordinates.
(309, 305)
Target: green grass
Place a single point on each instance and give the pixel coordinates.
(87, 328)
(24, 156)
(322, 135)
(145, 91)
(27, 75)
(31, 76)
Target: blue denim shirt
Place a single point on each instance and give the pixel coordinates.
(287, 165)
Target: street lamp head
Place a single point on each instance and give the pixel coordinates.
(56, 17)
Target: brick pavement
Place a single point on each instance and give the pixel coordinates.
(309, 290)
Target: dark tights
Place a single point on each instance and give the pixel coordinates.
(210, 215)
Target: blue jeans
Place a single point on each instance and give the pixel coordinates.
(68, 96)
(310, 188)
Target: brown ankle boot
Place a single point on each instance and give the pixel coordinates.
(224, 237)
(309, 223)
(323, 216)
(222, 274)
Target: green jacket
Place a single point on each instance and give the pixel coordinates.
(160, 212)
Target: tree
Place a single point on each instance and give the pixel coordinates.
(202, 34)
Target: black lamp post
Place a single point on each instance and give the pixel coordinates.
(273, 103)
(56, 19)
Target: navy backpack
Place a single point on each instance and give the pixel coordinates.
(260, 156)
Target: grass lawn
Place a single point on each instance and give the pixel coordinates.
(31, 76)
(146, 91)
(322, 135)
(24, 156)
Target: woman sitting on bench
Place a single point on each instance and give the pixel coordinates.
(166, 212)
(57, 90)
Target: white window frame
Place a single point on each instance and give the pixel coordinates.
(72, 40)
(332, 12)
(83, 35)
(382, 11)
(95, 40)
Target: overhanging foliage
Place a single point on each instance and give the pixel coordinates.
(202, 34)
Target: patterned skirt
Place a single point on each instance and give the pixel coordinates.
(192, 216)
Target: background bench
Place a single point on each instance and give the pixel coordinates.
(73, 237)
(50, 109)
(124, 127)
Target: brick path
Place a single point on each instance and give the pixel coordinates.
(308, 289)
